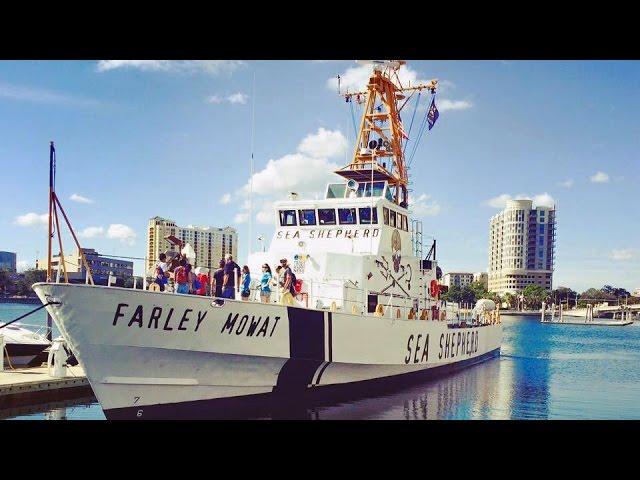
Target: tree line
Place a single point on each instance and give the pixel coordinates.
(532, 296)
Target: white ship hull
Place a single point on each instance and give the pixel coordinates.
(156, 355)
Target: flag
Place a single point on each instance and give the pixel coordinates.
(401, 128)
(433, 114)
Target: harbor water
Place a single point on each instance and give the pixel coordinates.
(544, 372)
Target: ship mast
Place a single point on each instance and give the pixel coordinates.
(382, 158)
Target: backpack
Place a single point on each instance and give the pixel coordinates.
(196, 283)
(181, 275)
(292, 286)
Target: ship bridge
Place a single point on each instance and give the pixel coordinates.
(353, 218)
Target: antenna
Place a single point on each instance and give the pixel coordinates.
(253, 129)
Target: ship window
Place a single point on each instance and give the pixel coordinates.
(390, 194)
(392, 219)
(365, 215)
(327, 216)
(307, 217)
(336, 190)
(378, 189)
(287, 218)
(385, 214)
(347, 216)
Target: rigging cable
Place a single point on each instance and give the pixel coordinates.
(353, 120)
(420, 132)
(415, 109)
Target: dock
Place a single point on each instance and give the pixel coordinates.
(561, 317)
(33, 385)
(582, 321)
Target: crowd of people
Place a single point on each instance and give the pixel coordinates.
(178, 274)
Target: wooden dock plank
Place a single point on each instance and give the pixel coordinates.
(26, 385)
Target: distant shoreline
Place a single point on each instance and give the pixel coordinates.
(21, 300)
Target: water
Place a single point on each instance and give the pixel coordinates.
(544, 372)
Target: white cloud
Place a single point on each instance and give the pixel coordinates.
(323, 144)
(234, 98)
(215, 99)
(32, 219)
(422, 207)
(355, 79)
(293, 173)
(213, 67)
(91, 232)
(543, 200)
(238, 98)
(623, 254)
(122, 232)
(599, 177)
(23, 265)
(444, 104)
(225, 199)
(79, 198)
(42, 96)
(305, 172)
(241, 217)
(499, 202)
(540, 200)
(567, 183)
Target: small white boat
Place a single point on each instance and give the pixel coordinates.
(22, 344)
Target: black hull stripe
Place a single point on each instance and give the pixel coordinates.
(321, 372)
(330, 342)
(252, 406)
(306, 334)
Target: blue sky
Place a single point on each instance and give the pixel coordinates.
(139, 139)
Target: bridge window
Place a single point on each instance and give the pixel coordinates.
(307, 217)
(392, 219)
(385, 215)
(347, 216)
(365, 215)
(336, 190)
(402, 221)
(327, 216)
(288, 218)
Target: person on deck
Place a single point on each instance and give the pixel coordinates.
(182, 277)
(229, 281)
(288, 287)
(265, 284)
(203, 279)
(245, 284)
(216, 280)
(161, 271)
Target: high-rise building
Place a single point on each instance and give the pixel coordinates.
(211, 244)
(101, 266)
(8, 261)
(459, 279)
(521, 247)
(482, 278)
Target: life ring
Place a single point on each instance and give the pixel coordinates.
(435, 288)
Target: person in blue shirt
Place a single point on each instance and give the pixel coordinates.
(229, 280)
(265, 282)
(245, 284)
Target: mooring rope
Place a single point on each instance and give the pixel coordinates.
(29, 313)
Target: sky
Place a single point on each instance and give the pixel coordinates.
(136, 139)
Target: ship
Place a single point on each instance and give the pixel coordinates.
(367, 309)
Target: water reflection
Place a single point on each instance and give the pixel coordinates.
(84, 407)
